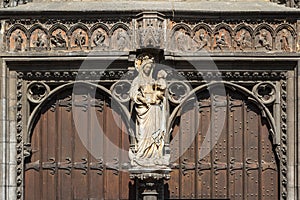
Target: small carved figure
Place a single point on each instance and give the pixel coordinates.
(18, 41)
(58, 40)
(40, 41)
(99, 39)
(221, 41)
(203, 41)
(121, 40)
(243, 41)
(284, 41)
(148, 95)
(80, 39)
(263, 41)
(181, 40)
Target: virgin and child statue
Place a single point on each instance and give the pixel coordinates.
(149, 97)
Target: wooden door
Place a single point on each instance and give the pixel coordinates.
(75, 161)
(241, 164)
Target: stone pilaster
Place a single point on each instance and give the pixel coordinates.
(3, 131)
(291, 110)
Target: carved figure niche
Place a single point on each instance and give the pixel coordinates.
(79, 39)
(100, 39)
(263, 40)
(58, 39)
(242, 40)
(202, 38)
(120, 40)
(17, 41)
(284, 41)
(222, 40)
(38, 40)
(182, 40)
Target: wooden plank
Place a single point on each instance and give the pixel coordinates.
(79, 180)
(237, 149)
(125, 182)
(45, 156)
(187, 147)
(204, 175)
(269, 177)
(251, 151)
(173, 183)
(111, 156)
(32, 177)
(97, 143)
(220, 148)
(65, 148)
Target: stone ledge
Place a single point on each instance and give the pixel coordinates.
(206, 6)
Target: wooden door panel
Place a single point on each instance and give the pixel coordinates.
(241, 164)
(71, 159)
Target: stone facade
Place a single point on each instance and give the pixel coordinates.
(254, 46)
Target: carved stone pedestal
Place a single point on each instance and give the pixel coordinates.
(150, 182)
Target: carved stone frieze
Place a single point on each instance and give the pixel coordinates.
(150, 30)
(182, 40)
(18, 41)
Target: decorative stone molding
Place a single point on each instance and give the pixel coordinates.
(255, 81)
(37, 92)
(284, 139)
(265, 91)
(13, 3)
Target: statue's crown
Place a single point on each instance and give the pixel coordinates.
(142, 60)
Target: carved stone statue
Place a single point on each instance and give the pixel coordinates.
(203, 41)
(263, 41)
(58, 40)
(243, 41)
(80, 39)
(221, 41)
(122, 40)
(18, 41)
(148, 96)
(284, 41)
(40, 41)
(99, 39)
